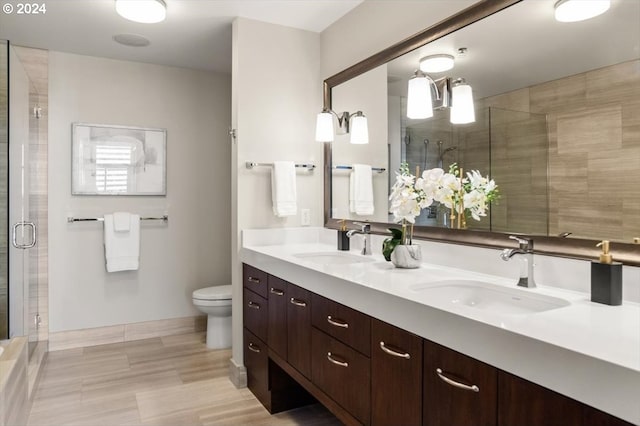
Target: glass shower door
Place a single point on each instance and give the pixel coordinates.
(4, 189)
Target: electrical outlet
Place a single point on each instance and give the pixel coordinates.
(305, 217)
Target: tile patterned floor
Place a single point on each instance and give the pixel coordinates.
(171, 380)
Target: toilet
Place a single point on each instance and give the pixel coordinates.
(216, 303)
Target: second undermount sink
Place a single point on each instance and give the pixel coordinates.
(488, 297)
(333, 258)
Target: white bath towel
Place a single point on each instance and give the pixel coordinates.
(283, 188)
(122, 248)
(361, 190)
(121, 222)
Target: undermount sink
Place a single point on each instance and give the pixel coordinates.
(333, 258)
(488, 297)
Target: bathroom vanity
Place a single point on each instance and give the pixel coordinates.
(374, 347)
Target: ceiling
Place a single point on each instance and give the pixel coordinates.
(196, 33)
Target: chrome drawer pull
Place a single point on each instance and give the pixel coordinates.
(298, 302)
(335, 361)
(276, 292)
(253, 305)
(254, 348)
(447, 380)
(337, 323)
(254, 280)
(386, 349)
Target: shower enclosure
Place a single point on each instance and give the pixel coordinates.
(510, 146)
(23, 192)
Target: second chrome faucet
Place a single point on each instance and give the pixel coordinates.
(365, 230)
(526, 249)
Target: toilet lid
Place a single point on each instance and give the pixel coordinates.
(221, 292)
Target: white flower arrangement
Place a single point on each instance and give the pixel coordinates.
(472, 193)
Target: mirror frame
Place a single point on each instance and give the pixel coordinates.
(576, 248)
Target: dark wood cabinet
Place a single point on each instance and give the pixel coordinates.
(396, 376)
(458, 390)
(299, 345)
(343, 373)
(299, 329)
(342, 322)
(277, 324)
(523, 403)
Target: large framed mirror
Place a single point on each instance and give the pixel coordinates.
(557, 110)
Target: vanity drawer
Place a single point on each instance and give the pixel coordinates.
(458, 390)
(255, 314)
(256, 360)
(345, 324)
(343, 373)
(254, 279)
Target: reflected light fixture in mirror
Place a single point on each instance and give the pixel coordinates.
(419, 101)
(355, 124)
(143, 11)
(580, 10)
(436, 63)
(462, 110)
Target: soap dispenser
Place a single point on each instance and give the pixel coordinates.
(606, 278)
(343, 240)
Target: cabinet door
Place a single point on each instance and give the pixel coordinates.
(342, 373)
(255, 314)
(256, 359)
(299, 329)
(396, 376)
(277, 329)
(458, 390)
(524, 403)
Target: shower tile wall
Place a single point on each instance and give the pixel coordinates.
(594, 152)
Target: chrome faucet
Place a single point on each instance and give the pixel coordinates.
(526, 249)
(365, 230)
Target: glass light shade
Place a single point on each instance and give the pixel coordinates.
(436, 63)
(359, 130)
(462, 110)
(419, 103)
(143, 11)
(324, 127)
(579, 10)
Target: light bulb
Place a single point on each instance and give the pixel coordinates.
(462, 109)
(359, 129)
(324, 127)
(419, 103)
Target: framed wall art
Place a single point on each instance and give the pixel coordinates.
(118, 160)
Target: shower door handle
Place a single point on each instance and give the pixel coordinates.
(14, 235)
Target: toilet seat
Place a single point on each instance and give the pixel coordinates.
(221, 292)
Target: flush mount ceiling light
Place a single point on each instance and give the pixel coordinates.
(132, 40)
(436, 63)
(143, 11)
(580, 10)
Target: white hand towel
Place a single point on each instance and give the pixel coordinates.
(121, 222)
(122, 249)
(283, 188)
(352, 198)
(362, 194)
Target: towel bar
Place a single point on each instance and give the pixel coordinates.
(375, 169)
(70, 219)
(251, 165)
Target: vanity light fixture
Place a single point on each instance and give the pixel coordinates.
(462, 109)
(419, 100)
(355, 124)
(580, 10)
(436, 63)
(143, 11)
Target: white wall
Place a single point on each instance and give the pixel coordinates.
(189, 252)
(277, 93)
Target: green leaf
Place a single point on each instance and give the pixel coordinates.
(390, 243)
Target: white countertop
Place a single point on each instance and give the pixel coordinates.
(587, 351)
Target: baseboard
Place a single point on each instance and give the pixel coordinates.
(237, 374)
(71, 339)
